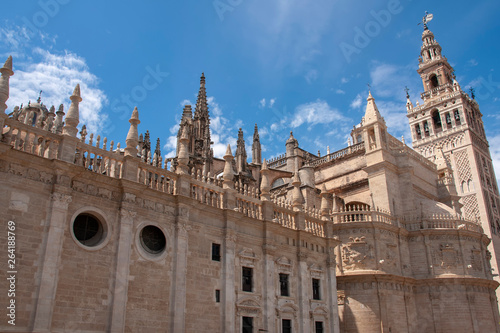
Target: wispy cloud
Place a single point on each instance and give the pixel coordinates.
(311, 76)
(340, 92)
(356, 102)
(263, 103)
(57, 75)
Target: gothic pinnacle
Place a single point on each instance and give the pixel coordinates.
(6, 72)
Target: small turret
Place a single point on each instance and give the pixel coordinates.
(6, 72)
(73, 116)
(228, 169)
(132, 139)
(241, 154)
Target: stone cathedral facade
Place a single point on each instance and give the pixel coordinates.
(375, 237)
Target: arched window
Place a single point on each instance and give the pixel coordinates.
(436, 120)
(434, 81)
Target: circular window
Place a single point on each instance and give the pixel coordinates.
(152, 239)
(88, 230)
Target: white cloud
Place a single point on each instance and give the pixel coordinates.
(356, 103)
(271, 102)
(495, 154)
(313, 113)
(340, 92)
(344, 80)
(57, 75)
(472, 62)
(311, 76)
(263, 103)
(185, 102)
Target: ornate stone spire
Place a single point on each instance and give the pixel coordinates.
(6, 72)
(132, 137)
(256, 147)
(372, 114)
(157, 155)
(201, 110)
(73, 115)
(228, 169)
(241, 153)
(409, 104)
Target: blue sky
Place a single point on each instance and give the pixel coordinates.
(286, 64)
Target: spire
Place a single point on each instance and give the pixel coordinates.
(241, 154)
(6, 72)
(430, 50)
(409, 104)
(201, 110)
(186, 112)
(132, 139)
(228, 169)
(73, 115)
(372, 114)
(256, 147)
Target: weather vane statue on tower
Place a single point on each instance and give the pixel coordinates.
(427, 18)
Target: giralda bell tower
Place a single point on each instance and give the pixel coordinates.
(449, 120)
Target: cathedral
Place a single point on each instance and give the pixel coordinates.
(375, 237)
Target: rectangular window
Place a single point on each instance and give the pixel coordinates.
(215, 252)
(246, 275)
(319, 326)
(217, 295)
(286, 326)
(247, 325)
(315, 285)
(284, 285)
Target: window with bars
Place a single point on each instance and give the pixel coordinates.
(316, 289)
(284, 290)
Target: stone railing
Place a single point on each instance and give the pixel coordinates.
(31, 139)
(156, 178)
(338, 154)
(284, 217)
(364, 214)
(248, 206)
(277, 161)
(205, 193)
(433, 102)
(246, 190)
(316, 227)
(99, 160)
(438, 221)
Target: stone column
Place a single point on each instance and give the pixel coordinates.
(122, 270)
(52, 257)
(332, 289)
(270, 276)
(304, 285)
(178, 291)
(6, 73)
(229, 296)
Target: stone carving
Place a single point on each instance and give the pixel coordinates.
(247, 257)
(104, 193)
(476, 262)
(247, 307)
(446, 257)
(17, 169)
(61, 200)
(128, 214)
(316, 270)
(129, 197)
(356, 253)
(284, 264)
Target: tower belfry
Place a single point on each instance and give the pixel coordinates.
(449, 123)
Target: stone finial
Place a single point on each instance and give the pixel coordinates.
(132, 139)
(228, 169)
(297, 198)
(265, 184)
(372, 114)
(183, 158)
(58, 123)
(73, 115)
(6, 72)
